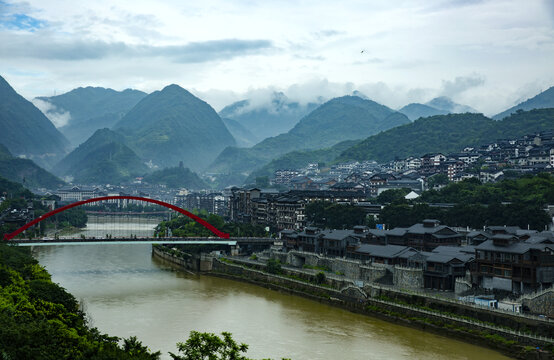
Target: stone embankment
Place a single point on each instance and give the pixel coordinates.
(514, 335)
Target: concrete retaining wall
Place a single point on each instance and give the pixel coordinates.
(541, 304)
(408, 278)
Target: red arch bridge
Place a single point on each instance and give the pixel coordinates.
(219, 236)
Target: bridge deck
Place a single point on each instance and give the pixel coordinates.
(189, 241)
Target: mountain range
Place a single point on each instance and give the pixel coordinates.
(25, 131)
(447, 133)
(172, 125)
(344, 118)
(82, 111)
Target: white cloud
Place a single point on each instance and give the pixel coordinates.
(59, 117)
(413, 50)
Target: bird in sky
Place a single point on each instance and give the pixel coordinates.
(361, 52)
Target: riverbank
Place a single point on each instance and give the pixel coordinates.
(381, 303)
(40, 320)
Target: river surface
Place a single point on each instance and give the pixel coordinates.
(127, 292)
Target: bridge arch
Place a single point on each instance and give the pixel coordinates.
(199, 220)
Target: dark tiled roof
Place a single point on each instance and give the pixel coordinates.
(337, 234)
(385, 251)
(515, 248)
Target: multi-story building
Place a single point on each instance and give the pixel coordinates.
(284, 176)
(425, 236)
(79, 193)
(506, 263)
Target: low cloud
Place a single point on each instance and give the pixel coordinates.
(44, 47)
(460, 84)
(59, 117)
(318, 91)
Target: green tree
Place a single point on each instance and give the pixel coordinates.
(320, 278)
(273, 266)
(134, 348)
(392, 196)
(438, 179)
(208, 346)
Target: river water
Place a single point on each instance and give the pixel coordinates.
(128, 292)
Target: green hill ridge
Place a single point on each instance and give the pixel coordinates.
(344, 118)
(540, 101)
(172, 125)
(176, 177)
(90, 109)
(103, 158)
(25, 131)
(26, 172)
(301, 158)
(446, 133)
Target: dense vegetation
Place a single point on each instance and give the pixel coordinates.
(25, 171)
(104, 158)
(510, 202)
(533, 190)
(415, 111)
(12, 189)
(344, 118)
(183, 226)
(446, 133)
(90, 109)
(475, 216)
(301, 158)
(172, 125)
(336, 216)
(176, 177)
(24, 130)
(40, 320)
(543, 100)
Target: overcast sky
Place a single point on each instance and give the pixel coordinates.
(486, 54)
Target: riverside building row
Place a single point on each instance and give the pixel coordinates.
(499, 258)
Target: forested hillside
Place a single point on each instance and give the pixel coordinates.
(447, 133)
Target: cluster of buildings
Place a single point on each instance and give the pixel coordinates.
(489, 163)
(286, 210)
(497, 258)
(17, 216)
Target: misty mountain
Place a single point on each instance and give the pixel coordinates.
(415, 111)
(25, 131)
(176, 177)
(446, 104)
(26, 172)
(438, 106)
(242, 135)
(172, 125)
(446, 133)
(80, 112)
(103, 158)
(543, 100)
(344, 118)
(272, 118)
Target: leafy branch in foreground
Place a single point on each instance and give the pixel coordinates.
(209, 346)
